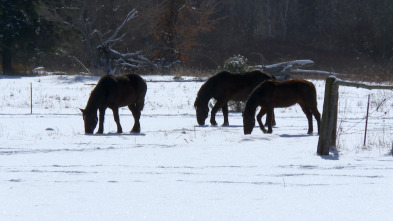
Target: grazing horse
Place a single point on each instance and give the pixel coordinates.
(224, 87)
(114, 92)
(271, 94)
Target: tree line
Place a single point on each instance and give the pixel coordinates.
(127, 35)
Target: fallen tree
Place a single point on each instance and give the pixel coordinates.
(283, 70)
(113, 60)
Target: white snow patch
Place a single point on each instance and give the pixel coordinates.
(176, 170)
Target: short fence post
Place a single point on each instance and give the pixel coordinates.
(365, 128)
(327, 135)
(31, 98)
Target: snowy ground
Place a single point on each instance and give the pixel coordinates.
(176, 170)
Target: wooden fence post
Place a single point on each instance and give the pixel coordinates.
(328, 127)
(327, 135)
(31, 98)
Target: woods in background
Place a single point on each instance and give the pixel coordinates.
(101, 36)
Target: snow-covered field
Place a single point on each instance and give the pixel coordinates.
(176, 170)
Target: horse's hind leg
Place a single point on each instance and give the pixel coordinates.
(136, 113)
(101, 120)
(225, 113)
(269, 120)
(308, 114)
(117, 119)
(273, 119)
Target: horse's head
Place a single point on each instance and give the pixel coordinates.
(202, 111)
(90, 119)
(248, 123)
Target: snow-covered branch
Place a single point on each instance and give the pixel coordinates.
(315, 72)
(113, 38)
(112, 59)
(283, 66)
(283, 70)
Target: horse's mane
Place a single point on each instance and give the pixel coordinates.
(252, 101)
(251, 104)
(205, 92)
(96, 95)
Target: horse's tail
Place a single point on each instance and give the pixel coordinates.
(269, 75)
(141, 89)
(313, 90)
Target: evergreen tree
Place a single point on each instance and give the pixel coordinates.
(18, 29)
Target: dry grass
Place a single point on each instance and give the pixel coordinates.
(353, 68)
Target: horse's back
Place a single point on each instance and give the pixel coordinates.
(287, 93)
(237, 86)
(138, 83)
(301, 89)
(122, 90)
(306, 88)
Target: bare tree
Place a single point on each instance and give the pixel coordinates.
(112, 59)
(94, 20)
(173, 27)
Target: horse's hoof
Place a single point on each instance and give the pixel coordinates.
(135, 130)
(225, 124)
(99, 132)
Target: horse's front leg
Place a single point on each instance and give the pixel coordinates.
(269, 120)
(225, 113)
(136, 113)
(259, 119)
(216, 107)
(101, 120)
(117, 119)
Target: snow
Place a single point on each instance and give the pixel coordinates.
(176, 170)
(286, 65)
(296, 70)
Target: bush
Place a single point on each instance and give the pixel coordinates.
(235, 64)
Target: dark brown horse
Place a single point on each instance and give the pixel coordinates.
(271, 94)
(114, 92)
(224, 87)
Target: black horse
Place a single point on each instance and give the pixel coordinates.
(271, 94)
(223, 87)
(114, 92)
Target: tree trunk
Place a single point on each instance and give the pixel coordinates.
(268, 19)
(6, 55)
